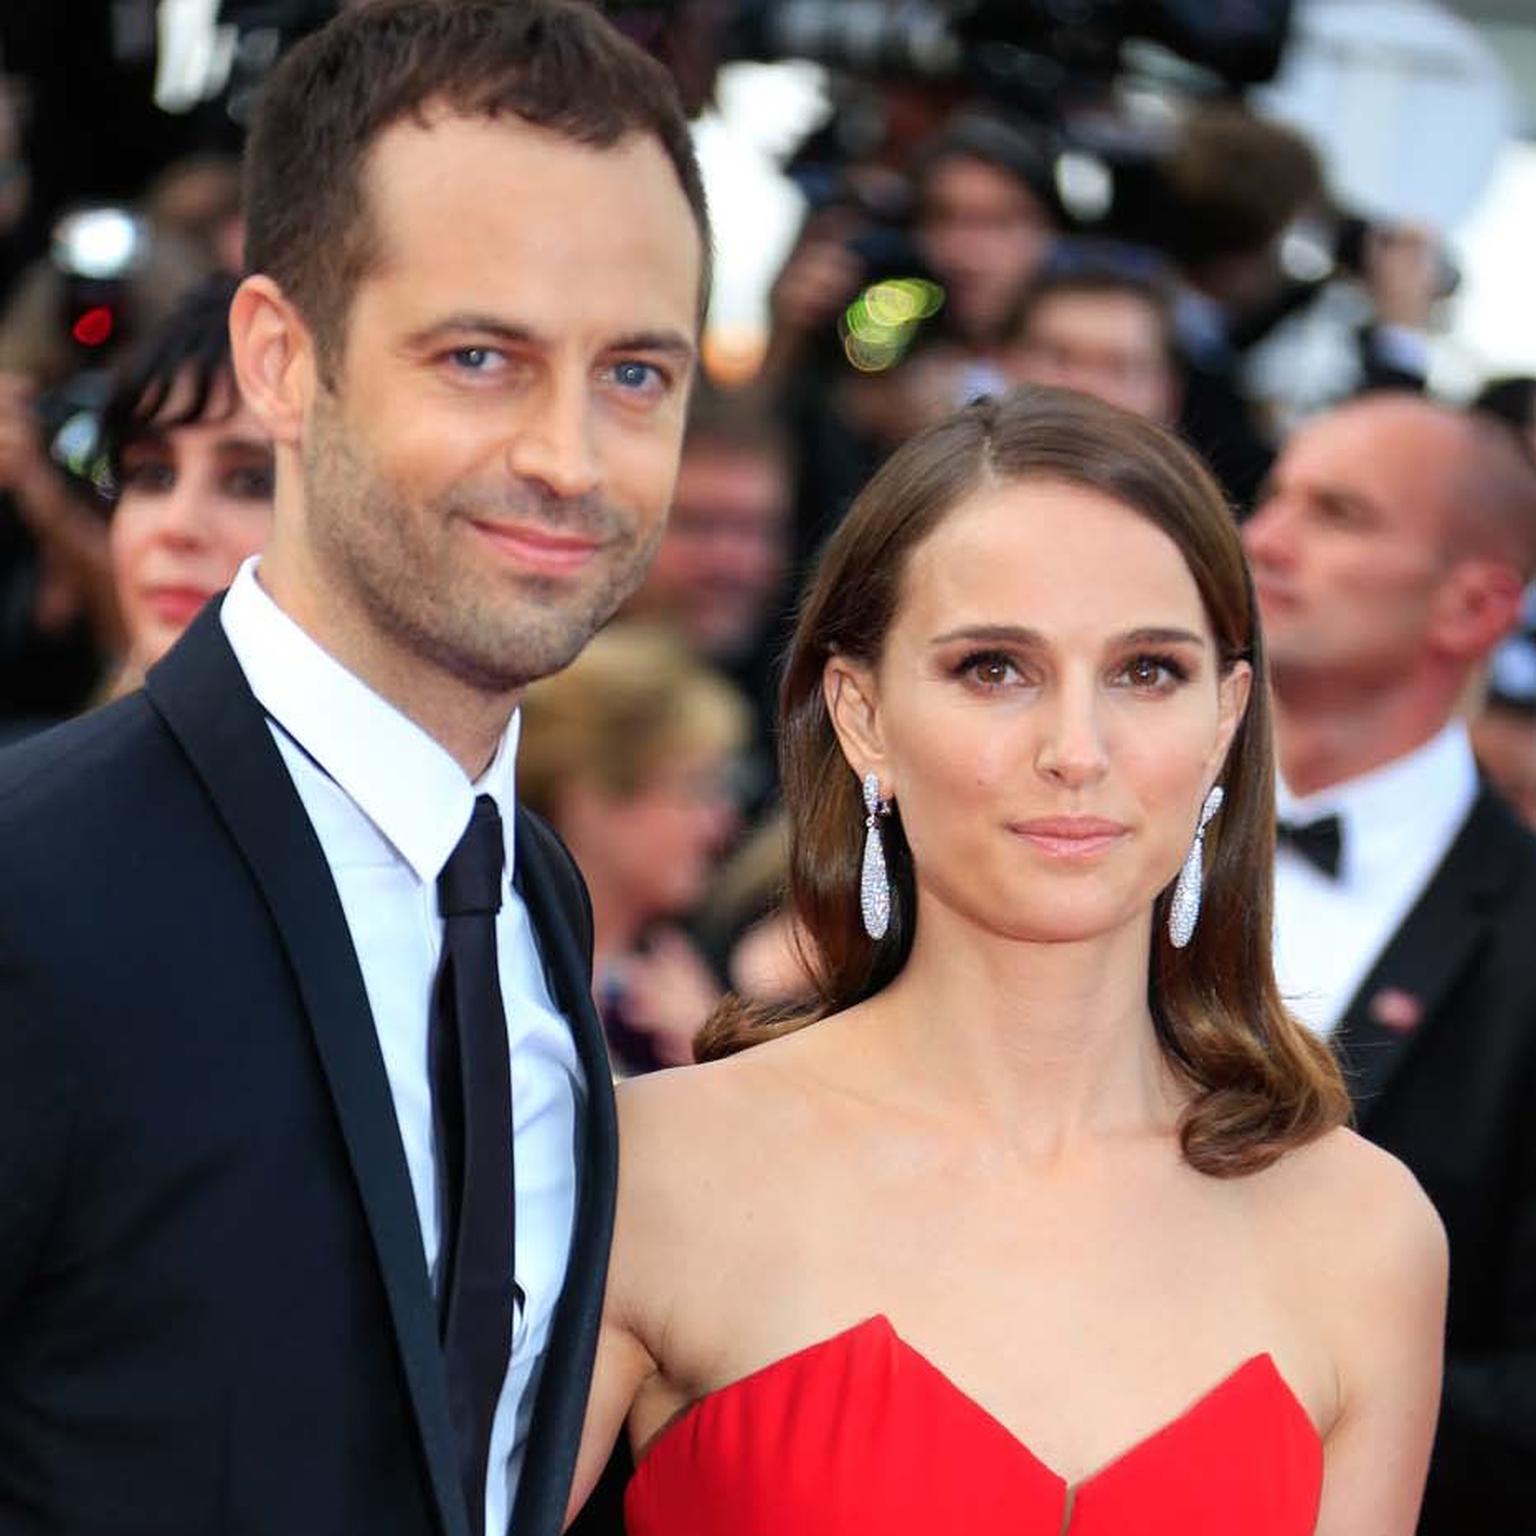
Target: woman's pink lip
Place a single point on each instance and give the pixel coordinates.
(173, 605)
(1071, 837)
(537, 548)
(1070, 826)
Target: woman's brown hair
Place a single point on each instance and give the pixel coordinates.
(1262, 1082)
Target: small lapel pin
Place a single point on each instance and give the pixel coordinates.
(1396, 1009)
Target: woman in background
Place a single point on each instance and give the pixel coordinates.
(192, 471)
(628, 755)
(1044, 1218)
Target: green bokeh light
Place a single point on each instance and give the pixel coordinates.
(881, 323)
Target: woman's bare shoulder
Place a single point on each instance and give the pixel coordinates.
(707, 1098)
(708, 1158)
(710, 1121)
(1353, 1213)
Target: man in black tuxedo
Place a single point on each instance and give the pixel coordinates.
(306, 1136)
(1389, 553)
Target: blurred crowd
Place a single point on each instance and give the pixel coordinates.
(997, 214)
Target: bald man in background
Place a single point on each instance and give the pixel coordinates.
(1390, 550)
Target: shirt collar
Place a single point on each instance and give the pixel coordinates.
(1415, 798)
(402, 780)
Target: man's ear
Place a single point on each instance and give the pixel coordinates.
(1477, 605)
(853, 703)
(274, 357)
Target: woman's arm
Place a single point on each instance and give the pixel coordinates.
(623, 1364)
(1393, 1345)
(634, 1306)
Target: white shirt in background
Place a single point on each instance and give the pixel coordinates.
(1397, 824)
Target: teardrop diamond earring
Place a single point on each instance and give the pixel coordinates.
(874, 883)
(1184, 909)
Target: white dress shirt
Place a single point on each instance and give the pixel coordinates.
(1396, 823)
(389, 805)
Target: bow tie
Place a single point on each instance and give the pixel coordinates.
(1319, 842)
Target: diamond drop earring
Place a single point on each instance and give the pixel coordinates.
(874, 883)
(1184, 909)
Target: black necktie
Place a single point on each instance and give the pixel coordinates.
(1320, 842)
(472, 1117)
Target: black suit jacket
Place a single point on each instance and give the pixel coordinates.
(1454, 1096)
(215, 1313)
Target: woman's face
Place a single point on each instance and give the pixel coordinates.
(1048, 713)
(195, 501)
(660, 844)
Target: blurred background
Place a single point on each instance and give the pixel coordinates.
(1420, 111)
(1225, 214)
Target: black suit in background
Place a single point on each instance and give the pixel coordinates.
(1454, 1097)
(215, 1313)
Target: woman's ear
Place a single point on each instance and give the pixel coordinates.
(853, 703)
(1233, 690)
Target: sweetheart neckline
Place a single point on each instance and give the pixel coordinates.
(1072, 1491)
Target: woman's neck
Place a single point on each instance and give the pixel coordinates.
(1042, 1045)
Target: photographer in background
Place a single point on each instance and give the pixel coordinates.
(69, 320)
(58, 615)
(1101, 321)
(986, 216)
(978, 220)
(1239, 184)
(1237, 187)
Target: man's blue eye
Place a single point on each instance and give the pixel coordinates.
(635, 375)
(473, 358)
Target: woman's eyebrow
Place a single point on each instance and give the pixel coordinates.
(1163, 635)
(1022, 635)
(997, 634)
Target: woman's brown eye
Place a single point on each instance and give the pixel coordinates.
(992, 671)
(987, 670)
(1158, 674)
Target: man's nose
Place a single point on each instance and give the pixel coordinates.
(1268, 534)
(553, 442)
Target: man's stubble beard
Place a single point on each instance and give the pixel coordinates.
(411, 576)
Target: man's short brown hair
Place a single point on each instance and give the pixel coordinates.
(556, 64)
(1077, 270)
(1238, 181)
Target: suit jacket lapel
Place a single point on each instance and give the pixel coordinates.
(550, 1458)
(1402, 995)
(204, 699)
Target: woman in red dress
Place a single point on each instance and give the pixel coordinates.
(1044, 1220)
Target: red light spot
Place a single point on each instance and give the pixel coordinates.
(95, 326)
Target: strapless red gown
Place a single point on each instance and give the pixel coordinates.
(861, 1434)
